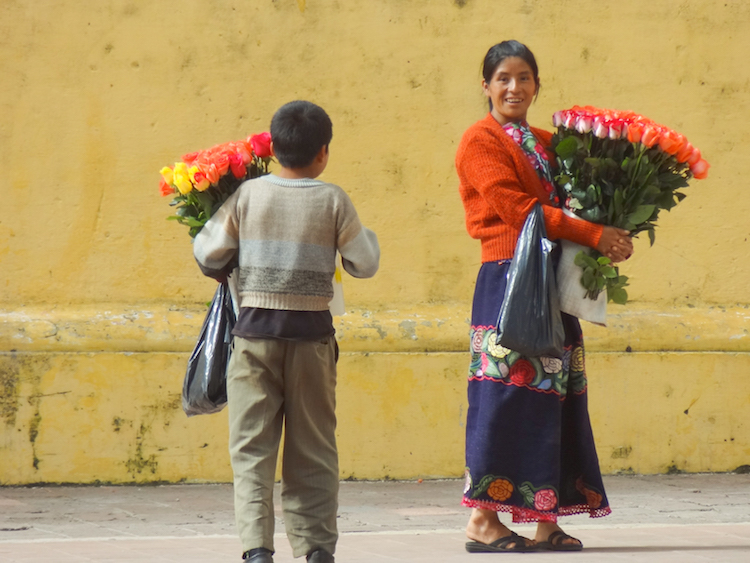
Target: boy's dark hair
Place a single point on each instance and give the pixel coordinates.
(299, 130)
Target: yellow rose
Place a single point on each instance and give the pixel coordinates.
(167, 174)
(181, 178)
(576, 359)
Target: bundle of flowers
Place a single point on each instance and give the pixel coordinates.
(204, 180)
(620, 169)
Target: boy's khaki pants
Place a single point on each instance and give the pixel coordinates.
(270, 382)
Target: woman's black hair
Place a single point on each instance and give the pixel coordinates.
(511, 48)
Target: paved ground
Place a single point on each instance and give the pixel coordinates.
(680, 518)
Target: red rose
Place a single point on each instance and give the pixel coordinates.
(522, 372)
(237, 166)
(546, 499)
(261, 144)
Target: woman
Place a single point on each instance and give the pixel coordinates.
(529, 446)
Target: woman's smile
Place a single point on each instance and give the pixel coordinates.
(511, 90)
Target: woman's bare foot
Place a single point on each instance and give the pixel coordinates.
(545, 529)
(485, 527)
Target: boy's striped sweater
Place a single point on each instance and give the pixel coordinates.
(285, 234)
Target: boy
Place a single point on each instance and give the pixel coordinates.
(285, 230)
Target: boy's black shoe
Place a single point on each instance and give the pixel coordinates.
(320, 556)
(258, 555)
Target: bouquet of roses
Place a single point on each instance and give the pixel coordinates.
(203, 180)
(620, 169)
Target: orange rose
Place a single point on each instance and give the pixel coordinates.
(166, 189)
(671, 142)
(221, 161)
(635, 130)
(593, 499)
(212, 173)
(694, 157)
(650, 136)
(500, 489)
(684, 153)
(700, 169)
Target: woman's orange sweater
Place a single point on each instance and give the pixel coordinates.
(499, 187)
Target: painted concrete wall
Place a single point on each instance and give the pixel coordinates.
(100, 299)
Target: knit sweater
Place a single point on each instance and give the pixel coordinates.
(499, 187)
(285, 234)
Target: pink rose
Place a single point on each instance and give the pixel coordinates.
(261, 144)
(546, 499)
(584, 123)
(476, 341)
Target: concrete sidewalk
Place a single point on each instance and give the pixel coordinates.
(664, 518)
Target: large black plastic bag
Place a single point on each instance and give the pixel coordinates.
(529, 321)
(205, 388)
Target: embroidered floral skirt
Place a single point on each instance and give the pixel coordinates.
(529, 446)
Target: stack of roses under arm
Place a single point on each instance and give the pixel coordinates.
(203, 180)
(621, 169)
(613, 124)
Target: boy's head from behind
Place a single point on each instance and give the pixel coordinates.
(299, 130)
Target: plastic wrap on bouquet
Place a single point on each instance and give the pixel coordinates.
(204, 390)
(336, 304)
(573, 298)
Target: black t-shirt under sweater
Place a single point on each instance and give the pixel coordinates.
(254, 322)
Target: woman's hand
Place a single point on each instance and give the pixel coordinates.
(615, 244)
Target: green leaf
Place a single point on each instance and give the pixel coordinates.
(619, 296)
(583, 260)
(593, 214)
(603, 260)
(651, 236)
(642, 214)
(609, 272)
(618, 201)
(568, 147)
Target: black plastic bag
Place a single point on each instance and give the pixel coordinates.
(529, 321)
(205, 388)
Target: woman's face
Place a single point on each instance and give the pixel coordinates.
(512, 89)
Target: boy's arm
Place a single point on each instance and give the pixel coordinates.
(358, 245)
(215, 246)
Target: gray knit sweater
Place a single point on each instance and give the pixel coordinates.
(285, 234)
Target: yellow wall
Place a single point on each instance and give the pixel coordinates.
(100, 299)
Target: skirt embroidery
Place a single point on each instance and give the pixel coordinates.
(529, 446)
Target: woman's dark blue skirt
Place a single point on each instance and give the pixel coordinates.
(529, 446)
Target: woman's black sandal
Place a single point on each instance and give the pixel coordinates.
(555, 542)
(501, 545)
